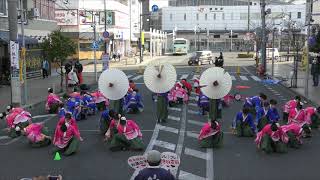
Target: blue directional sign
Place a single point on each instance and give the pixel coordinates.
(106, 34)
(155, 8)
(95, 45)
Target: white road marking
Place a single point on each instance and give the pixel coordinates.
(149, 147)
(210, 169)
(193, 112)
(4, 137)
(174, 118)
(188, 176)
(193, 98)
(255, 78)
(195, 76)
(196, 122)
(192, 134)
(164, 144)
(169, 129)
(174, 109)
(42, 116)
(195, 153)
(233, 78)
(129, 76)
(137, 77)
(182, 132)
(244, 78)
(184, 76)
(193, 104)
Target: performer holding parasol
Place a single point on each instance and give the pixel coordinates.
(160, 81)
(114, 84)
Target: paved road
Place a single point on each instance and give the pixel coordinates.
(238, 159)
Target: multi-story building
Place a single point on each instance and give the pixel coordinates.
(77, 19)
(225, 25)
(39, 22)
(316, 12)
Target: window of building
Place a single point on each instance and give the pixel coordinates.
(185, 16)
(221, 9)
(222, 16)
(197, 17)
(231, 16)
(214, 16)
(299, 15)
(170, 17)
(243, 16)
(216, 36)
(46, 8)
(216, 9)
(3, 8)
(206, 16)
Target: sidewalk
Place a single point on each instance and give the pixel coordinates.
(282, 71)
(37, 89)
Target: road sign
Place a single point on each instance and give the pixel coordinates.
(95, 45)
(154, 15)
(155, 8)
(105, 34)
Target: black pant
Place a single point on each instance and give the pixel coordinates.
(44, 73)
(315, 78)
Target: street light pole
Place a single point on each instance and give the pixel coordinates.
(309, 17)
(272, 69)
(264, 40)
(94, 49)
(105, 25)
(14, 71)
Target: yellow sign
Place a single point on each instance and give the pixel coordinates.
(21, 71)
(23, 52)
(304, 59)
(142, 38)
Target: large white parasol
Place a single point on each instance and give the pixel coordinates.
(215, 82)
(113, 83)
(161, 78)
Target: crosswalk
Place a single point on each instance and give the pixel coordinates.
(190, 77)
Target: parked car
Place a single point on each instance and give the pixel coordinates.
(201, 57)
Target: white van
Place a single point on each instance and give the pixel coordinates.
(269, 53)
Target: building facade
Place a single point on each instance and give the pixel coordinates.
(77, 19)
(39, 22)
(226, 27)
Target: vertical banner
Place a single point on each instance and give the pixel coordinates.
(14, 59)
(142, 38)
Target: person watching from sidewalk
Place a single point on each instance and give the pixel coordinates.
(45, 68)
(154, 171)
(315, 71)
(79, 68)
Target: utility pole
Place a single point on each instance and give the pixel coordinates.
(231, 40)
(199, 31)
(272, 69)
(94, 49)
(309, 17)
(14, 58)
(248, 22)
(130, 18)
(264, 40)
(23, 53)
(105, 25)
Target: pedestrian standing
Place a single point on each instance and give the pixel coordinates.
(79, 68)
(45, 68)
(68, 69)
(119, 54)
(153, 171)
(315, 71)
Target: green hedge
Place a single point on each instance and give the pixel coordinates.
(245, 55)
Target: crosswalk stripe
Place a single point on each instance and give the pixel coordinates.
(193, 104)
(193, 135)
(184, 76)
(233, 78)
(169, 129)
(195, 153)
(244, 78)
(137, 77)
(193, 112)
(195, 76)
(129, 76)
(174, 109)
(174, 118)
(255, 78)
(164, 144)
(196, 122)
(189, 176)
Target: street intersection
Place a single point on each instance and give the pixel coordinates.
(238, 158)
